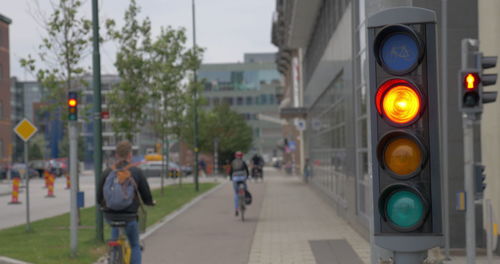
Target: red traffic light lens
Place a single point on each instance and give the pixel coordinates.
(72, 102)
(398, 101)
(471, 80)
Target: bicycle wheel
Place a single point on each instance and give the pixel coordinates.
(115, 255)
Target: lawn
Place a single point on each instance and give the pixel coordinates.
(48, 243)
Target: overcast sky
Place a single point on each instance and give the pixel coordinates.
(226, 28)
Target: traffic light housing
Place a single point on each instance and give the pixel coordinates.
(72, 106)
(472, 81)
(405, 129)
(479, 178)
(487, 79)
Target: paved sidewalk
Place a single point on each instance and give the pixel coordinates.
(286, 216)
(207, 233)
(293, 215)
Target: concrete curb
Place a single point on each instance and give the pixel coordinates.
(6, 260)
(166, 219)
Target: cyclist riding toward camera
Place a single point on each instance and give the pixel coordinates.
(257, 166)
(239, 175)
(123, 189)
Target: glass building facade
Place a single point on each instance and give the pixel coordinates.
(330, 38)
(250, 88)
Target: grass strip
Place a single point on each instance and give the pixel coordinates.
(49, 241)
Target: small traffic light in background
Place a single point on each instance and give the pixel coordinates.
(72, 106)
(404, 130)
(471, 92)
(473, 80)
(479, 178)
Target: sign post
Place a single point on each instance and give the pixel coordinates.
(25, 130)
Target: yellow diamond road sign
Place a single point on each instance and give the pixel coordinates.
(25, 129)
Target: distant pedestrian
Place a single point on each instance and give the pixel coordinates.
(202, 167)
(227, 167)
(307, 170)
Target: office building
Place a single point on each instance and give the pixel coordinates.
(328, 41)
(251, 89)
(5, 105)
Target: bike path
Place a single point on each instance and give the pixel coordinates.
(208, 232)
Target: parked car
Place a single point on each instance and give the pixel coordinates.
(57, 166)
(186, 170)
(154, 168)
(19, 169)
(39, 165)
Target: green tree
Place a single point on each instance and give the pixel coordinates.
(59, 64)
(170, 60)
(224, 124)
(37, 147)
(129, 99)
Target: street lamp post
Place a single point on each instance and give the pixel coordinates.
(96, 59)
(195, 106)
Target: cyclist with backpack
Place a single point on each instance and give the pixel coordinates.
(123, 188)
(239, 175)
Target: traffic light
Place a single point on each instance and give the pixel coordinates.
(404, 129)
(72, 106)
(479, 178)
(471, 99)
(472, 81)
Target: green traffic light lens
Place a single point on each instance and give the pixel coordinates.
(471, 99)
(405, 209)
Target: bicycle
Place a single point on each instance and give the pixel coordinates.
(119, 249)
(241, 200)
(257, 173)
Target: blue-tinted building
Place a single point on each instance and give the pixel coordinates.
(250, 88)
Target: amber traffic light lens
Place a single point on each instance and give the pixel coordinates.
(72, 102)
(403, 156)
(401, 104)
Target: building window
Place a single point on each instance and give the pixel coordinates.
(272, 99)
(216, 101)
(257, 100)
(228, 100)
(328, 139)
(239, 101)
(249, 100)
(256, 132)
(208, 86)
(263, 99)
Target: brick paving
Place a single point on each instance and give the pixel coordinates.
(292, 214)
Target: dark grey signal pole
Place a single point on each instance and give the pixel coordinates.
(96, 60)
(195, 106)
